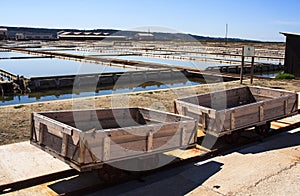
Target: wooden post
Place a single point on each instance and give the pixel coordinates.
(82, 147)
(248, 51)
(64, 145)
(182, 140)
(252, 69)
(241, 71)
(42, 128)
(261, 113)
(204, 119)
(150, 142)
(106, 148)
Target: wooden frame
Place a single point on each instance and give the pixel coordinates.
(221, 112)
(85, 139)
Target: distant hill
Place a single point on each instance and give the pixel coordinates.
(130, 34)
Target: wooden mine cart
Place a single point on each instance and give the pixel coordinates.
(85, 139)
(222, 112)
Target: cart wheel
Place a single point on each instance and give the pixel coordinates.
(110, 174)
(233, 137)
(263, 130)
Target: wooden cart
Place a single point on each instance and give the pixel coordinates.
(86, 139)
(223, 112)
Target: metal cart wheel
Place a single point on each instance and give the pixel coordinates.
(233, 137)
(110, 174)
(263, 130)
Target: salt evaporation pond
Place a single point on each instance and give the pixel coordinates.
(183, 63)
(53, 67)
(14, 54)
(68, 94)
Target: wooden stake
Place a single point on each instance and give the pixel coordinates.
(241, 72)
(252, 69)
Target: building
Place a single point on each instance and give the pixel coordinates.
(144, 36)
(123, 43)
(87, 36)
(31, 36)
(292, 54)
(3, 33)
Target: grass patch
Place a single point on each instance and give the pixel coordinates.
(282, 75)
(18, 106)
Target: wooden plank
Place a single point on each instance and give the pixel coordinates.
(162, 116)
(60, 127)
(195, 109)
(140, 147)
(269, 92)
(126, 135)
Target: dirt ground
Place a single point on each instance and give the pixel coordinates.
(15, 119)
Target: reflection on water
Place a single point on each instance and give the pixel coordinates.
(52, 67)
(67, 94)
(267, 74)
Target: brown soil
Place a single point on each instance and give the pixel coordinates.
(15, 120)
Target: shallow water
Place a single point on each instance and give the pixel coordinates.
(14, 54)
(184, 63)
(52, 67)
(68, 94)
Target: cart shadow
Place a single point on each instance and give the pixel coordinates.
(276, 142)
(175, 181)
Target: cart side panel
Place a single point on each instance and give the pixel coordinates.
(253, 107)
(133, 141)
(53, 136)
(222, 99)
(90, 148)
(280, 107)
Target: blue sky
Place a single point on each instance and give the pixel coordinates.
(251, 19)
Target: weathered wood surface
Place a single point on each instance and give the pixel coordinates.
(222, 112)
(87, 138)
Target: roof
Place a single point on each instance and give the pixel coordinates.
(290, 34)
(79, 33)
(144, 34)
(3, 29)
